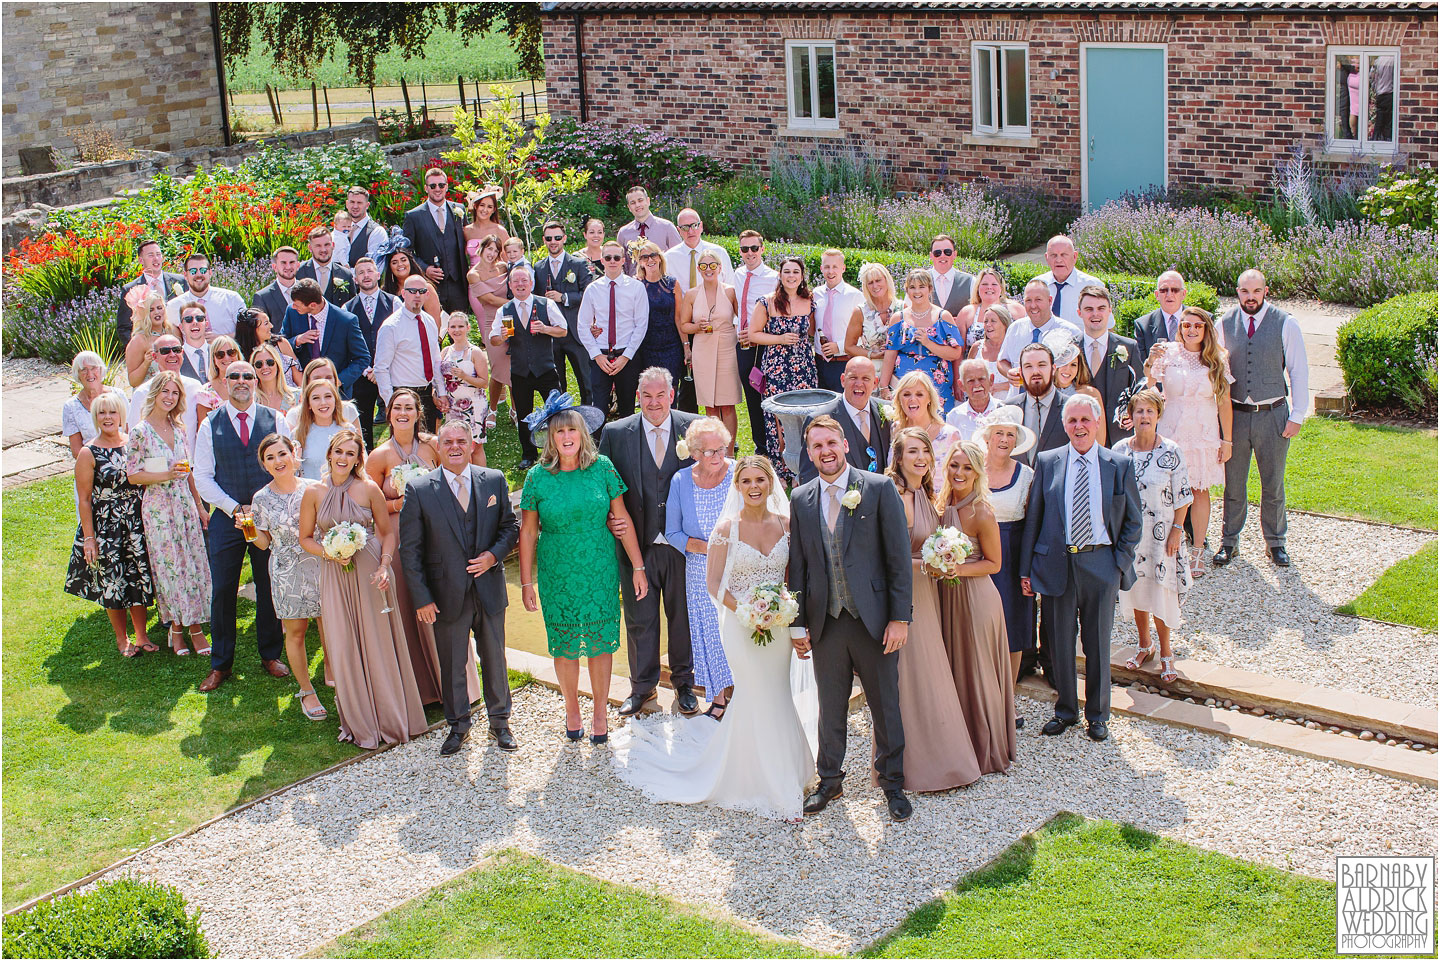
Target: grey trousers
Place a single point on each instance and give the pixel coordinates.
(665, 570)
(1258, 433)
(846, 649)
(1091, 590)
(452, 640)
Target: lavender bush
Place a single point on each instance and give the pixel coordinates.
(981, 226)
(1361, 263)
(244, 277)
(51, 331)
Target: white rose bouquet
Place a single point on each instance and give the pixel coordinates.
(344, 541)
(769, 608)
(944, 551)
(402, 474)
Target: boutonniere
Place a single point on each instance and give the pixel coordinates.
(341, 283)
(682, 449)
(570, 277)
(887, 413)
(1121, 355)
(851, 500)
(176, 289)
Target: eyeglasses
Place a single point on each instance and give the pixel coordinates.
(167, 351)
(1169, 290)
(558, 238)
(417, 290)
(612, 258)
(708, 268)
(688, 227)
(263, 363)
(749, 248)
(240, 376)
(713, 452)
(943, 252)
(198, 270)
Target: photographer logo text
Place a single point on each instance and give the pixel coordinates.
(1384, 905)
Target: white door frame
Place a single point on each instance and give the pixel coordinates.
(1085, 110)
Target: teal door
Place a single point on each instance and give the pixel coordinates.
(1123, 120)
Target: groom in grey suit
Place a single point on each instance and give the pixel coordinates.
(850, 560)
(456, 529)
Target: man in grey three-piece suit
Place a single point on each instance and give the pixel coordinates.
(850, 561)
(456, 529)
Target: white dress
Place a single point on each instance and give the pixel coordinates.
(760, 756)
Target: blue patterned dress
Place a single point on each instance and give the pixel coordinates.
(695, 510)
(662, 346)
(913, 355)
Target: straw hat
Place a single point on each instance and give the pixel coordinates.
(1005, 416)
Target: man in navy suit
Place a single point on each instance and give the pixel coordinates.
(155, 276)
(274, 297)
(1082, 525)
(316, 328)
(438, 241)
(563, 277)
(335, 280)
(370, 306)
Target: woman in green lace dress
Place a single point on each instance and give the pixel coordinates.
(565, 505)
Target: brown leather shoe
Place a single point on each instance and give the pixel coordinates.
(213, 680)
(276, 668)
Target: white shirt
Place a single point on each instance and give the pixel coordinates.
(677, 264)
(1070, 299)
(1297, 368)
(318, 320)
(1091, 461)
(399, 361)
(443, 209)
(221, 308)
(204, 466)
(632, 315)
(964, 418)
(846, 299)
(341, 240)
(192, 389)
(763, 281)
(1022, 332)
(525, 310)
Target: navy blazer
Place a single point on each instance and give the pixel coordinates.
(344, 344)
(342, 282)
(385, 305)
(1043, 545)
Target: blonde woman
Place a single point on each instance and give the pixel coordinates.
(707, 314)
(274, 390)
(321, 368)
(467, 373)
(870, 322)
(925, 339)
(972, 616)
(989, 291)
(567, 500)
(320, 420)
(917, 404)
(148, 305)
(224, 351)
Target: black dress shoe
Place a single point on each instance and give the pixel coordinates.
(1098, 730)
(685, 698)
(633, 704)
(1224, 555)
(899, 805)
(1278, 555)
(526, 463)
(1019, 724)
(1055, 726)
(504, 739)
(453, 741)
(821, 798)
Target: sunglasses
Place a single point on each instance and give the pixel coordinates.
(708, 268)
(241, 376)
(612, 258)
(167, 351)
(417, 290)
(1169, 290)
(688, 227)
(438, 185)
(749, 248)
(227, 353)
(264, 363)
(649, 256)
(874, 461)
(558, 238)
(943, 252)
(198, 270)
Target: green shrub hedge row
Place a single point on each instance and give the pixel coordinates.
(1196, 295)
(1387, 353)
(115, 919)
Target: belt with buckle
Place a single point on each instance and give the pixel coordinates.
(1255, 408)
(1072, 549)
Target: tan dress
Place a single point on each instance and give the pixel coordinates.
(713, 355)
(938, 751)
(374, 683)
(973, 622)
(499, 357)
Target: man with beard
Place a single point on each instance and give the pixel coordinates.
(221, 305)
(336, 282)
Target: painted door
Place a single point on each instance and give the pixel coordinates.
(1123, 120)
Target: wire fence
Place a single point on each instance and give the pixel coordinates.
(319, 106)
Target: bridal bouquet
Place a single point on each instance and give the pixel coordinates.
(402, 474)
(770, 607)
(944, 551)
(344, 541)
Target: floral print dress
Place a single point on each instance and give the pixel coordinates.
(466, 401)
(174, 539)
(121, 576)
(913, 355)
(786, 367)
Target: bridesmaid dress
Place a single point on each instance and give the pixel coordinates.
(375, 689)
(713, 356)
(499, 357)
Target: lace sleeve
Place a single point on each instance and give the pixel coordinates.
(717, 562)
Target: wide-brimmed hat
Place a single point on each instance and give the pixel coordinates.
(489, 190)
(1005, 416)
(557, 403)
(1062, 344)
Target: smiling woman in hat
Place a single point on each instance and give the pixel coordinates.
(566, 502)
(1003, 437)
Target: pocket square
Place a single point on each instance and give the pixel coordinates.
(491, 501)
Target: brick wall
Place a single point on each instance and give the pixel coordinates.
(1242, 88)
(143, 71)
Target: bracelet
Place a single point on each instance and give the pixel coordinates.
(1231, 443)
(524, 585)
(1177, 527)
(90, 538)
(640, 568)
(385, 558)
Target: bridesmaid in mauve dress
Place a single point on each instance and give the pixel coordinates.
(488, 282)
(375, 691)
(707, 314)
(972, 618)
(938, 750)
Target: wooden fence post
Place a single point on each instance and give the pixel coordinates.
(315, 103)
(424, 101)
(373, 111)
(460, 82)
(329, 121)
(273, 96)
(405, 91)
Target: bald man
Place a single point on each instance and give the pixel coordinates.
(1062, 280)
(682, 261)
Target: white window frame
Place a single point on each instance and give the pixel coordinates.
(1361, 143)
(996, 50)
(814, 121)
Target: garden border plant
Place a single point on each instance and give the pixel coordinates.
(1388, 354)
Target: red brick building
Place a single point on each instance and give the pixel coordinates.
(1083, 99)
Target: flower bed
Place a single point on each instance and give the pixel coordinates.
(1388, 354)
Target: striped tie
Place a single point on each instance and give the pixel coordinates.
(1080, 529)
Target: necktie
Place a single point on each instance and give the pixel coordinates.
(829, 313)
(242, 417)
(370, 308)
(745, 303)
(462, 492)
(612, 315)
(523, 309)
(439, 214)
(1039, 423)
(1035, 334)
(197, 360)
(1252, 328)
(642, 227)
(1170, 325)
(832, 506)
(424, 348)
(863, 420)
(694, 256)
(322, 277)
(658, 445)
(942, 289)
(1080, 528)
(1096, 357)
(1059, 293)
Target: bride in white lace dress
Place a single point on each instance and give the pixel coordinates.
(759, 756)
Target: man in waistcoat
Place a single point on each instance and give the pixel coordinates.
(366, 236)
(534, 324)
(227, 475)
(1266, 350)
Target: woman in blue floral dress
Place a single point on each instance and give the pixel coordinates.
(926, 339)
(788, 334)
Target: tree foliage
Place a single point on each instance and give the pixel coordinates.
(298, 36)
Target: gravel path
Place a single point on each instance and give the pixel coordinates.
(294, 872)
(1258, 617)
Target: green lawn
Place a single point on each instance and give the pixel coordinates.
(518, 906)
(1405, 594)
(1082, 888)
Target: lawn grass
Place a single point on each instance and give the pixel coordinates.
(103, 756)
(1404, 594)
(519, 906)
(1080, 888)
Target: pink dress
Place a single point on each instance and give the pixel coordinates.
(499, 357)
(1191, 417)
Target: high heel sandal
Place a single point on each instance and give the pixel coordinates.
(1168, 674)
(716, 710)
(1142, 654)
(197, 634)
(319, 714)
(1197, 563)
(179, 650)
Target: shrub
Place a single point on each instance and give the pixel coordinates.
(1131, 309)
(115, 919)
(1402, 198)
(230, 221)
(1387, 353)
(38, 328)
(979, 225)
(717, 204)
(799, 180)
(620, 157)
(59, 266)
(284, 171)
(1361, 263)
(1035, 216)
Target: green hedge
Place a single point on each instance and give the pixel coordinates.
(1197, 294)
(1387, 354)
(115, 919)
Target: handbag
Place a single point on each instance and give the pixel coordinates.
(756, 375)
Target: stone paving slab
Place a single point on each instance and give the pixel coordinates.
(32, 410)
